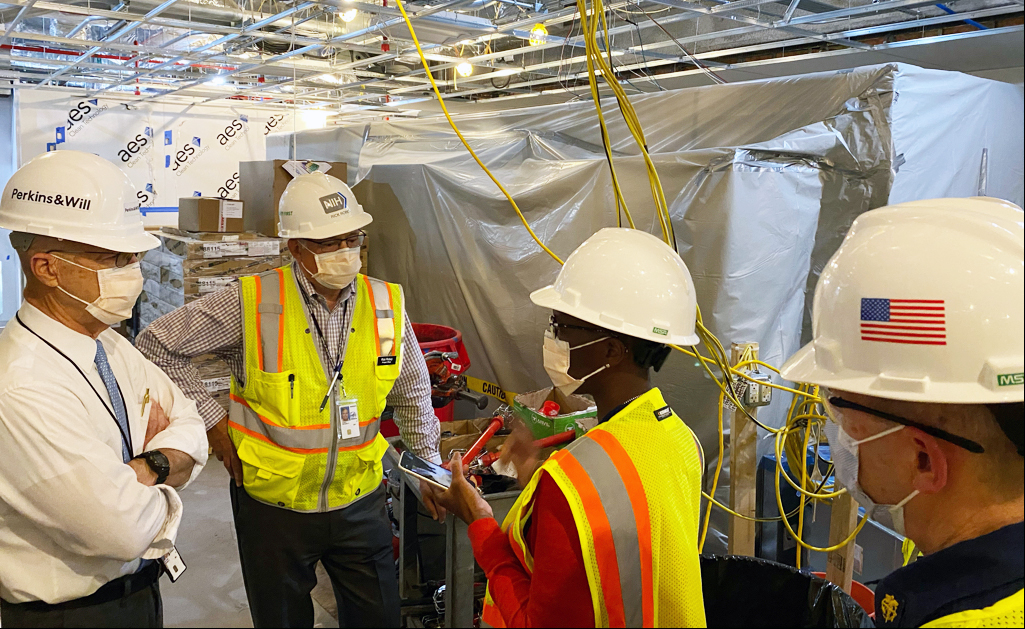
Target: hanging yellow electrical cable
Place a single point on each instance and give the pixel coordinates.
(802, 413)
(444, 109)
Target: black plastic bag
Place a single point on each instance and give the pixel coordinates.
(751, 592)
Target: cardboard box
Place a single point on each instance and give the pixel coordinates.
(210, 214)
(210, 236)
(576, 412)
(189, 248)
(460, 435)
(261, 185)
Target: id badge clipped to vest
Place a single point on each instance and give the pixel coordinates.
(348, 418)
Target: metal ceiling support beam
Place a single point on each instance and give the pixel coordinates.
(93, 18)
(733, 51)
(221, 40)
(114, 37)
(16, 21)
(331, 42)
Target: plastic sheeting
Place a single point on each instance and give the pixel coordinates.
(763, 179)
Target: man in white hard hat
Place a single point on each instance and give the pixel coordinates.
(918, 347)
(93, 435)
(606, 531)
(316, 352)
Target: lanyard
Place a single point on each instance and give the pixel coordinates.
(320, 332)
(337, 370)
(126, 438)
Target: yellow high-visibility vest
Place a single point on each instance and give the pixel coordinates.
(633, 485)
(1008, 612)
(293, 453)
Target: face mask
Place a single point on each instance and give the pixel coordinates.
(336, 269)
(119, 290)
(556, 360)
(844, 450)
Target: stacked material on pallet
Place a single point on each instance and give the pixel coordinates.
(188, 265)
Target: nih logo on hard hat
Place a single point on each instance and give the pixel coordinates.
(334, 203)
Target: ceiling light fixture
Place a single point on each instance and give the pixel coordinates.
(538, 35)
(464, 69)
(348, 15)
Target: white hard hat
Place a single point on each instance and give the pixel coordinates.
(923, 302)
(317, 206)
(626, 281)
(75, 196)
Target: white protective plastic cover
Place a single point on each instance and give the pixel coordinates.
(763, 179)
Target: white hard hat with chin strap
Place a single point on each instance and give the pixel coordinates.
(924, 301)
(629, 282)
(76, 196)
(318, 206)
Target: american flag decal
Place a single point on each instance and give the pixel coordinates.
(912, 321)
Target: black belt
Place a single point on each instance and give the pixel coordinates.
(119, 588)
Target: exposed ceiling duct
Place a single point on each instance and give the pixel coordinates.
(340, 53)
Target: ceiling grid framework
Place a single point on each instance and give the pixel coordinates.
(357, 59)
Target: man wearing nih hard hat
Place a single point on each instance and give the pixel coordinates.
(605, 533)
(316, 351)
(918, 349)
(93, 437)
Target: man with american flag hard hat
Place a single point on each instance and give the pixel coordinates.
(917, 349)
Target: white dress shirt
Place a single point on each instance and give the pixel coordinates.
(73, 515)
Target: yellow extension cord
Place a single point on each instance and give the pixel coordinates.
(802, 411)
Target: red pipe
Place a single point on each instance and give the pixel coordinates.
(545, 442)
(475, 449)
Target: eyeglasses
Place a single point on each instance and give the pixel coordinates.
(555, 326)
(939, 433)
(349, 241)
(120, 259)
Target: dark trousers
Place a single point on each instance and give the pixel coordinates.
(131, 601)
(279, 550)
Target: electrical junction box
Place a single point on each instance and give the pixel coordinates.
(757, 392)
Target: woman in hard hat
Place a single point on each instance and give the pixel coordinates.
(605, 532)
(918, 345)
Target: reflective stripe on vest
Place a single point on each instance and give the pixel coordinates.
(1008, 612)
(305, 440)
(641, 558)
(270, 297)
(380, 297)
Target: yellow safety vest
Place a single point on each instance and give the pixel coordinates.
(633, 485)
(293, 454)
(1009, 612)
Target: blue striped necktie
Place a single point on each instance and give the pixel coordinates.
(103, 367)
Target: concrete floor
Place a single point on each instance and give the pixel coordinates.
(211, 593)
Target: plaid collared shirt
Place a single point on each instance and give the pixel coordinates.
(213, 325)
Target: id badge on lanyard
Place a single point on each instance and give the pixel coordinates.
(348, 417)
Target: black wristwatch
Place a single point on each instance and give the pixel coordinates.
(157, 462)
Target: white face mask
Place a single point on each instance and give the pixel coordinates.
(119, 290)
(336, 269)
(844, 451)
(556, 360)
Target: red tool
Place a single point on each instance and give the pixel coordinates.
(545, 442)
(493, 427)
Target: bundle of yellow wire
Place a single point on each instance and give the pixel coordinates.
(804, 417)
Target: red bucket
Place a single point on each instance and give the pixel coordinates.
(436, 338)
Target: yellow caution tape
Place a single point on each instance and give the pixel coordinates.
(490, 389)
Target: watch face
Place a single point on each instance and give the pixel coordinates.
(158, 462)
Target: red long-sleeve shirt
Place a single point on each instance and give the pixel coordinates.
(557, 594)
